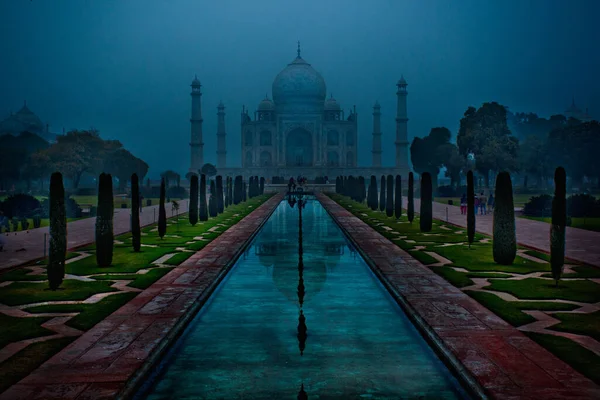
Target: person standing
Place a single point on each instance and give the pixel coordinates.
(483, 203)
(491, 202)
(463, 204)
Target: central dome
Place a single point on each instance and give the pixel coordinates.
(300, 85)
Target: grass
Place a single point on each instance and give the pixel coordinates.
(543, 289)
(582, 271)
(580, 358)
(518, 199)
(19, 293)
(124, 260)
(589, 224)
(179, 258)
(581, 324)
(458, 279)
(15, 329)
(423, 257)
(139, 281)
(21, 364)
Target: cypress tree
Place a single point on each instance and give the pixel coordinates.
(256, 186)
(244, 191)
(104, 221)
(220, 202)
(373, 193)
(227, 191)
(251, 187)
(398, 197)
(345, 186)
(559, 223)
(203, 212)
(58, 232)
(505, 237)
(262, 185)
(230, 190)
(426, 217)
(237, 190)
(382, 194)
(193, 214)
(136, 234)
(470, 208)
(361, 184)
(389, 204)
(162, 213)
(337, 184)
(212, 202)
(410, 207)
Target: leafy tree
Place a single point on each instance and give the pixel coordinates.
(453, 161)
(485, 133)
(220, 204)
(212, 202)
(136, 234)
(382, 194)
(104, 221)
(389, 204)
(15, 158)
(470, 208)
(426, 213)
(533, 158)
(170, 176)
(372, 200)
(559, 223)
(410, 206)
(58, 232)
(193, 213)
(162, 213)
(505, 238)
(122, 164)
(203, 213)
(209, 170)
(398, 197)
(427, 153)
(36, 168)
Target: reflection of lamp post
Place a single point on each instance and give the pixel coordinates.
(294, 198)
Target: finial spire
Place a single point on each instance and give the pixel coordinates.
(298, 49)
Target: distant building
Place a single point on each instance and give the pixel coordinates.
(575, 112)
(25, 120)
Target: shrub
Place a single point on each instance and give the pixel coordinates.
(136, 234)
(20, 205)
(410, 207)
(203, 211)
(583, 205)
(24, 224)
(104, 221)
(193, 209)
(426, 213)
(382, 194)
(558, 227)
(58, 232)
(470, 208)
(177, 192)
(37, 221)
(72, 207)
(212, 202)
(398, 197)
(389, 204)
(15, 223)
(220, 201)
(538, 206)
(504, 231)
(162, 213)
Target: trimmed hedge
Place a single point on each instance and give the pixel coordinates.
(58, 232)
(559, 222)
(426, 214)
(193, 209)
(104, 221)
(470, 208)
(410, 207)
(504, 231)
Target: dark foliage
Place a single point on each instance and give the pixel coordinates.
(559, 221)
(104, 221)
(237, 190)
(470, 208)
(58, 232)
(212, 202)
(162, 213)
(410, 206)
(389, 204)
(362, 189)
(504, 233)
(136, 234)
(538, 206)
(262, 185)
(426, 213)
(583, 205)
(177, 192)
(372, 198)
(382, 194)
(203, 212)
(20, 205)
(398, 197)
(219, 194)
(193, 209)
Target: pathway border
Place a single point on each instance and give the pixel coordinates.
(112, 359)
(503, 361)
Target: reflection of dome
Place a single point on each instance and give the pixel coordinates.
(331, 104)
(266, 105)
(299, 84)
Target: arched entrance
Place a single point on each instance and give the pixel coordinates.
(299, 148)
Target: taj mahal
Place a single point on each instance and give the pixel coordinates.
(300, 131)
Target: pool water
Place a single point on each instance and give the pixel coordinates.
(327, 330)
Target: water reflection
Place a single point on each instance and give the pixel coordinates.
(302, 394)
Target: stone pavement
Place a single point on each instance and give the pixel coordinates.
(581, 245)
(502, 360)
(79, 233)
(100, 362)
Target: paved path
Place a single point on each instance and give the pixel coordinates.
(503, 361)
(582, 245)
(100, 362)
(79, 233)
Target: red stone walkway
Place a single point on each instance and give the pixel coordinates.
(99, 364)
(581, 245)
(503, 361)
(79, 233)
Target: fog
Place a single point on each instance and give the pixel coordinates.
(124, 67)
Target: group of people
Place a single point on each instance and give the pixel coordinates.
(296, 182)
(481, 203)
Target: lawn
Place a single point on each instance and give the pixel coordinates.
(141, 268)
(590, 224)
(477, 261)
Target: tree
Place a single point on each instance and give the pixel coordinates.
(170, 176)
(104, 221)
(209, 170)
(251, 187)
(122, 164)
(485, 133)
(203, 213)
(15, 161)
(58, 232)
(505, 238)
(193, 213)
(244, 191)
(212, 202)
(136, 234)
(559, 223)
(452, 161)
(426, 213)
(382, 194)
(36, 167)
(237, 190)
(362, 189)
(398, 197)
(427, 154)
(262, 185)
(227, 191)
(470, 208)
(410, 206)
(533, 158)
(389, 204)
(372, 199)
(220, 204)
(162, 213)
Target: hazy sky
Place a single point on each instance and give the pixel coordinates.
(124, 67)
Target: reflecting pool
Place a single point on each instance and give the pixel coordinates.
(314, 323)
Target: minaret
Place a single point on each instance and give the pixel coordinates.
(196, 144)
(221, 152)
(401, 127)
(376, 135)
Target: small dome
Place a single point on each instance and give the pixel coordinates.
(266, 104)
(402, 81)
(331, 104)
(196, 81)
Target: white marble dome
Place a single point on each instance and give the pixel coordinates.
(299, 85)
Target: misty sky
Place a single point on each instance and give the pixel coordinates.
(124, 67)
